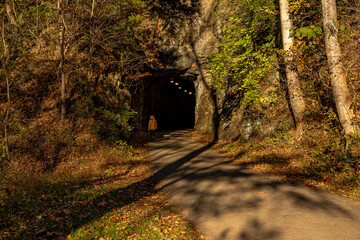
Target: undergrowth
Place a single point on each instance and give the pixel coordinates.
(108, 195)
(319, 159)
(83, 177)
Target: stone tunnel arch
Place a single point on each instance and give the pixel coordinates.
(170, 97)
(182, 35)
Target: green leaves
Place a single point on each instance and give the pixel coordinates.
(309, 32)
(2, 153)
(246, 49)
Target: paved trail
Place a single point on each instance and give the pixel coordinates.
(229, 202)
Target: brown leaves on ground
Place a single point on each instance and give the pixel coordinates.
(110, 196)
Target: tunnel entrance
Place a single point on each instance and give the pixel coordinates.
(171, 99)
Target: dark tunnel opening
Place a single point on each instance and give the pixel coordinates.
(171, 99)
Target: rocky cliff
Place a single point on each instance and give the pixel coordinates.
(186, 33)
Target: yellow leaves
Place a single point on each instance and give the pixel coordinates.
(137, 76)
(67, 211)
(250, 205)
(269, 11)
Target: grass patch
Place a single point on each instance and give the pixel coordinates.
(316, 160)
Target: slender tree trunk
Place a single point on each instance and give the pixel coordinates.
(13, 7)
(62, 74)
(62, 62)
(7, 112)
(9, 13)
(92, 8)
(342, 96)
(37, 18)
(7, 89)
(295, 93)
(92, 42)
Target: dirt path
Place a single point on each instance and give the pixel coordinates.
(229, 202)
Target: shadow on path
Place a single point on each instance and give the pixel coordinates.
(232, 202)
(224, 200)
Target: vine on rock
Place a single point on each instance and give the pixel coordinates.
(246, 51)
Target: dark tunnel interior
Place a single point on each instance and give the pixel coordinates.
(171, 99)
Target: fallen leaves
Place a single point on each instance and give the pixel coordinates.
(127, 206)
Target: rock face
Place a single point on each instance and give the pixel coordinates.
(183, 32)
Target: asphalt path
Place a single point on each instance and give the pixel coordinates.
(226, 201)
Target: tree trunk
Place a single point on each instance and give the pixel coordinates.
(295, 93)
(9, 13)
(7, 112)
(92, 8)
(92, 43)
(342, 96)
(62, 62)
(7, 89)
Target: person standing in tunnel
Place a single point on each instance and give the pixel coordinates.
(152, 126)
